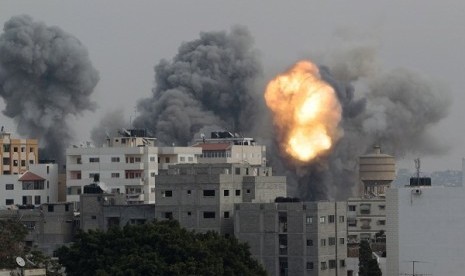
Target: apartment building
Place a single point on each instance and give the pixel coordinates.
(127, 164)
(202, 196)
(295, 238)
(366, 218)
(35, 186)
(16, 154)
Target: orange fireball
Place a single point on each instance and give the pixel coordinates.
(306, 111)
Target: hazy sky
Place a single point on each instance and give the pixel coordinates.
(126, 39)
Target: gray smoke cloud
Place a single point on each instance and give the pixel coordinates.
(109, 125)
(45, 76)
(396, 111)
(208, 83)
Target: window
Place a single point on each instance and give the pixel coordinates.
(381, 222)
(15, 163)
(168, 215)
(37, 200)
(309, 220)
(33, 185)
(238, 192)
(15, 149)
(152, 158)
(189, 192)
(152, 174)
(31, 149)
(341, 219)
(226, 214)
(341, 241)
(237, 170)
(226, 192)
(309, 242)
(309, 265)
(167, 193)
(167, 159)
(332, 241)
(152, 190)
(342, 263)
(208, 215)
(352, 208)
(137, 159)
(9, 201)
(31, 162)
(365, 209)
(332, 264)
(115, 159)
(9, 187)
(94, 159)
(23, 149)
(189, 214)
(248, 191)
(94, 217)
(190, 159)
(114, 175)
(208, 192)
(382, 207)
(94, 176)
(323, 266)
(27, 200)
(48, 169)
(322, 219)
(50, 208)
(158, 159)
(331, 219)
(182, 159)
(23, 163)
(66, 207)
(323, 242)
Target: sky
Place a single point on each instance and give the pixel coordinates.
(126, 39)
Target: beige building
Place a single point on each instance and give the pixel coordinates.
(202, 196)
(295, 238)
(16, 154)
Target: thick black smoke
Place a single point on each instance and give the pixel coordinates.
(45, 76)
(396, 112)
(208, 83)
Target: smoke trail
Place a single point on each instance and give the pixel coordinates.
(397, 111)
(209, 82)
(45, 76)
(109, 125)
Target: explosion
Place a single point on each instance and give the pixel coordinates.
(306, 111)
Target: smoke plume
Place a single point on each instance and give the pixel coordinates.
(208, 83)
(45, 76)
(108, 126)
(396, 111)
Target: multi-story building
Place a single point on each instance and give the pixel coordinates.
(202, 196)
(49, 226)
(126, 164)
(37, 185)
(425, 230)
(225, 147)
(295, 238)
(366, 219)
(16, 154)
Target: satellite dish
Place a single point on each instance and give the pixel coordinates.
(20, 261)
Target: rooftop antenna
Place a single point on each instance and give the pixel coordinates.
(413, 270)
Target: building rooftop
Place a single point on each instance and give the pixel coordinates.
(29, 176)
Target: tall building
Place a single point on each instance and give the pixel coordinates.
(16, 154)
(127, 164)
(295, 238)
(202, 196)
(425, 230)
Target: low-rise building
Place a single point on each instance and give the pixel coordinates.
(16, 154)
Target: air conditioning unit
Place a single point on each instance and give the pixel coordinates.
(416, 191)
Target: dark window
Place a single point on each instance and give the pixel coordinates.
(238, 170)
(189, 192)
(323, 266)
(208, 215)
(48, 169)
(115, 159)
(248, 191)
(23, 163)
(226, 214)
(31, 149)
(309, 242)
(15, 163)
(309, 265)
(9, 201)
(66, 207)
(15, 149)
(167, 193)
(341, 240)
(189, 213)
(238, 192)
(352, 207)
(51, 208)
(208, 192)
(226, 192)
(342, 263)
(332, 264)
(94, 160)
(331, 241)
(37, 200)
(168, 215)
(94, 217)
(167, 159)
(331, 219)
(341, 219)
(22, 149)
(9, 187)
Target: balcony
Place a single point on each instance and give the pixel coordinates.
(135, 197)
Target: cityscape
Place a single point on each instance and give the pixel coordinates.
(329, 162)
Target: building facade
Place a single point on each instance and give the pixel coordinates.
(37, 185)
(127, 165)
(16, 154)
(202, 196)
(295, 238)
(425, 230)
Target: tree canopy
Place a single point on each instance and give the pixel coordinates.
(367, 266)
(12, 234)
(157, 248)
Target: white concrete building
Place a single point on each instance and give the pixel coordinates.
(38, 185)
(425, 229)
(126, 164)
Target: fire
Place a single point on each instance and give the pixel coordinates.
(306, 111)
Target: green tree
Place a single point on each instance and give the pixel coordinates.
(12, 234)
(158, 248)
(367, 266)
